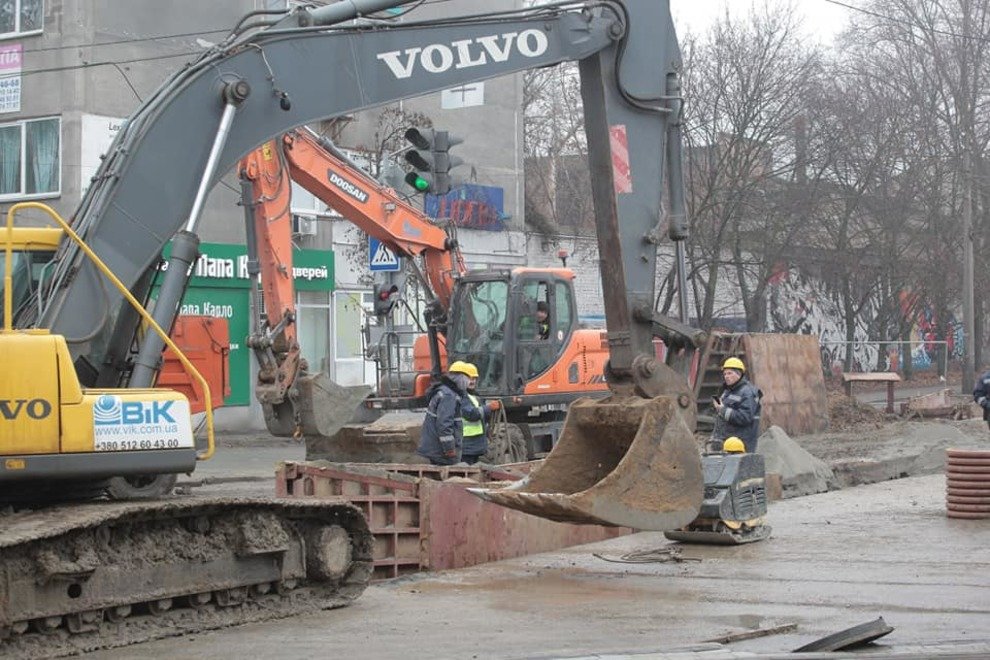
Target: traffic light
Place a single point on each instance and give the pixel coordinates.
(383, 302)
(431, 160)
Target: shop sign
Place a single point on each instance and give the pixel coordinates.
(225, 265)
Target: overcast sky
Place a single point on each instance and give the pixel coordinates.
(821, 19)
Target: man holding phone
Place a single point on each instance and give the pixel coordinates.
(737, 406)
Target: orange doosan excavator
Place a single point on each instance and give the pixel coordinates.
(486, 317)
(536, 367)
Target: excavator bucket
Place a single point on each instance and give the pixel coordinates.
(334, 405)
(323, 407)
(622, 461)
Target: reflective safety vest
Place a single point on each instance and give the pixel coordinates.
(472, 429)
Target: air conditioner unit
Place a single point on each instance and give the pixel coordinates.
(303, 225)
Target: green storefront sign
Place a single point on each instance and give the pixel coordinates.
(220, 288)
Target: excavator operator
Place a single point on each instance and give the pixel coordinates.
(534, 327)
(543, 320)
(534, 323)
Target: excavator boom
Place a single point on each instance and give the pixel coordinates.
(313, 162)
(630, 459)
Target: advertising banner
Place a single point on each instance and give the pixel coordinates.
(11, 57)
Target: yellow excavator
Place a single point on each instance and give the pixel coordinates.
(79, 410)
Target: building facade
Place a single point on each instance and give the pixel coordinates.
(74, 70)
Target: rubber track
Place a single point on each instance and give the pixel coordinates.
(18, 531)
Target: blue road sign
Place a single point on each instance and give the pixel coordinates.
(381, 258)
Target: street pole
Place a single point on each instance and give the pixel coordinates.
(969, 353)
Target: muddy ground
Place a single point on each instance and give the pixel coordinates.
(834, 560)
(866, 445)
(572, 603)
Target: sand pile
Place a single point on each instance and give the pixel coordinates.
(800, 472)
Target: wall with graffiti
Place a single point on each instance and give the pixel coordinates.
(804, 304)
(470, 205)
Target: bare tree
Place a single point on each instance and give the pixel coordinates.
(747, 81)
(933, 58)
(868, 189)
(557, 179)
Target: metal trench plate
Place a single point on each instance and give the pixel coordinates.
(623, 461)
(849, 638)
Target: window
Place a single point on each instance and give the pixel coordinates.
(19, 17)
(349, 314)
(562, 301)
(477, 328)
(305, 203)
(27, 268)
(30, 155)
(314, 328)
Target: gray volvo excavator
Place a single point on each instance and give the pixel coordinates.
(85, 576)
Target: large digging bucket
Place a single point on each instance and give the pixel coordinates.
(619, 461)
(324, 408)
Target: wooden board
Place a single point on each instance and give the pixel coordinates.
(788, 369)
(872, 377)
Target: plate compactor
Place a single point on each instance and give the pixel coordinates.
(734, 505)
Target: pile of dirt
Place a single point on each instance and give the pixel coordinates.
(800, 472)
(892, 450)
(846, 413)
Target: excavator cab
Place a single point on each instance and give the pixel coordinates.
(32, 253)
(515, 325)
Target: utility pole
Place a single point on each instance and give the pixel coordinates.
(967, 135)
(969, 352)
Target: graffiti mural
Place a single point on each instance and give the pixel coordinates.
(926, 349)
(471, 206)
(803, 304)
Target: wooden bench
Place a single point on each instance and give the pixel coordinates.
(888, 377)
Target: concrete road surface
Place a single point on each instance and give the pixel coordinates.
(835, 560)
(238, 457)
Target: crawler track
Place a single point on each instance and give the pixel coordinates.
(86, 577)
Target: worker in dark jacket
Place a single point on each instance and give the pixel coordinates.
(441, 438)
(981, 394)
(476, 413)
(738, 405)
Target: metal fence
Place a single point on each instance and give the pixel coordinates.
(925, 356)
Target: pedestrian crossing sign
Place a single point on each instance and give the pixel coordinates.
(381, 258)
